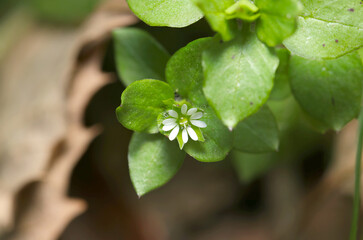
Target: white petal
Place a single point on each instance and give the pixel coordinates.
(185, 136)
(169, 127)
(192, 111)
(196, 115)
(184, 109)
(192, 133)
(169, 121)
(173, 113)
(174, 133)
(198, 123)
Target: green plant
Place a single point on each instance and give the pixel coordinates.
(266, 55)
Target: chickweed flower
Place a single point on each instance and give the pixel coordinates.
(184, 124)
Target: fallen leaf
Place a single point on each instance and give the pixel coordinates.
(46, 83)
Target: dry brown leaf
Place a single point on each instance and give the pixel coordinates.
(45, 88)
(33, 108)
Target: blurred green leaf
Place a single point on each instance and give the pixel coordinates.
(281, 89)
(249, 167)
(153, 161)
(7, 5)
(258, 133)
(138, 55)
(63, 11)
(141, 103)
(330, 91)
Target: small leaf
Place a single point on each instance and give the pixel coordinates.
(184, 71)
(218, 140)
(281, 89)
(277, 20)
(168, 13)
(138, 55)
(330, 91)
(238, 77)
(141, 103)
(258, 133)
(327, 29)
(153, 161)
(214, 12)
(243, 9)
(249, 167)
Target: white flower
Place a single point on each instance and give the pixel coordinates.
(183, 124)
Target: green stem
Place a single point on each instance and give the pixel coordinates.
(356, 203)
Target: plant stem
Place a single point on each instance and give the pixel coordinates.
(356, 203)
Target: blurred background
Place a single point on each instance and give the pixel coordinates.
(63, 155)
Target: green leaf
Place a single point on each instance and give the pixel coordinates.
(214, 12)
(249, 167)
(138, 55)
(330, 91)
(258, 133)
(153, 161)
(169, 13)
(243, 9)
(184, 71)
(347, 12)
(277, 20)
(238, 77)
(185, 74)
(218, 140)
(327, 29)
(281, 89)
(141, 103)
